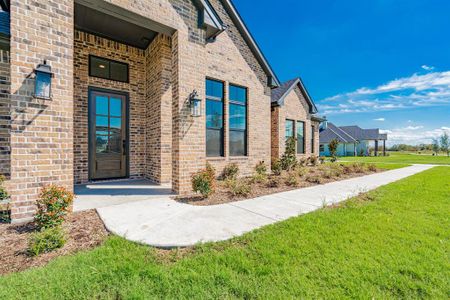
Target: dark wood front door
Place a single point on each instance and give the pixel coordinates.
(108, 135)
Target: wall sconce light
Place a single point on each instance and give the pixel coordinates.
(195, 104)
(43, 81)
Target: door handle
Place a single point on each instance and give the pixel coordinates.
(124, 147)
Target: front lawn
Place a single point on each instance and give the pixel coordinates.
(390, 243)
(403, 158)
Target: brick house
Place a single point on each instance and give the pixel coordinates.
(292, 115)
(123, 96)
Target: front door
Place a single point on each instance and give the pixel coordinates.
(108, 135)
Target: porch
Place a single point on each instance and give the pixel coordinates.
(116, 192)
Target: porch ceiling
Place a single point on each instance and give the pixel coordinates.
(106, 20)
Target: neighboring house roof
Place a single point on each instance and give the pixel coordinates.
(4, 24)
(281, 92)
(349, 134)
(237, 19)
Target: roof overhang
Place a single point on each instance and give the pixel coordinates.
(318, 118)
(5, 5)
(209, 19)
(272, 79)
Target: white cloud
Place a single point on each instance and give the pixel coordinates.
(431, 89)
(413, 135)
(380, 119)
(427, 68)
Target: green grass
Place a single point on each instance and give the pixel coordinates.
(395, 244)
(400, 157)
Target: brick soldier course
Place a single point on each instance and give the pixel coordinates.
(45, 141)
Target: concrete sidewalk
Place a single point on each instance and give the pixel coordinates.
(167, 223)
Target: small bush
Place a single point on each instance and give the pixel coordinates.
(332, 146)
(314, 160)
(230, 171)
(289, 158)
(46, 240)
(274, 182)
(276, 167)
(347, 169)
(336, 169)
(53, 205)
(203, 182)
(239, 187)
(314, 179)
(261, 168)
(322, 160)
(301, 171)
(292, 180)
(302, 162)
(358, 167)
(259, 178)
(372, 167)
(3, 193)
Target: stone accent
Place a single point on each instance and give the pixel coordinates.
(41, 130)
(294, 108)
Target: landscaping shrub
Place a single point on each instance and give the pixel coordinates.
(274, 182)
(301, 171)
(372, 167)
(322, 159)
(332, 146)
(302, 162)
(239, 187)
(347, 169)
(53, 205)
(358, 167)
(314, 178)
(261, 168)
(3, 193)
(230, 171)
(276, 167)
(289, 158)
(292, 179)
(203, 182)
(259, 178)
(336, 169)
(46, 240)
(314, 160)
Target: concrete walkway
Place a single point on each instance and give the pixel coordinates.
(115, 192)
(167, 223)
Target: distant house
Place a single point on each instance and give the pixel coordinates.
(353, 140)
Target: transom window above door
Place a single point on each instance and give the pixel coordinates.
(108, 69)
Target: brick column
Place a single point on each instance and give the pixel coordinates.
(41, 130)
(188, 138)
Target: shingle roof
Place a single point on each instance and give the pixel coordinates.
(349, 134)
(4, 23)
(279, 93)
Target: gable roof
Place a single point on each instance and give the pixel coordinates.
(349, 134)
(237, 19)
(281, 92)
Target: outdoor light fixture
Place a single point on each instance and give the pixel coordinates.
(195, 104)
(43, 81)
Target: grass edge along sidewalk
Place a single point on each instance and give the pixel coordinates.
(389, 243)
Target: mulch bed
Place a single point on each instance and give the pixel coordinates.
(222, 193)
(85, 230)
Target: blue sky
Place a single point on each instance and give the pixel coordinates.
(377, 63)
